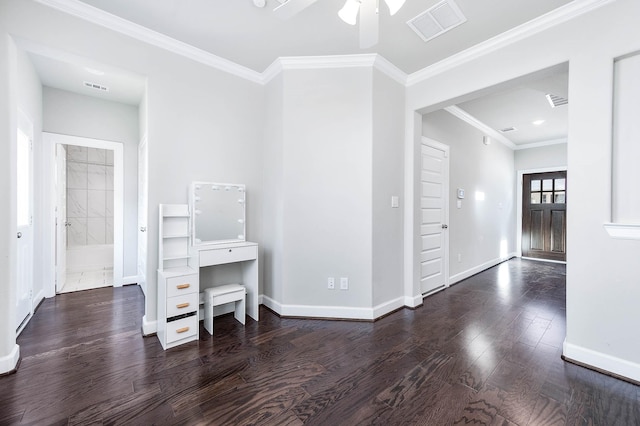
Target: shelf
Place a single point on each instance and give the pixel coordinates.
(176, 236)
(165, 216)
(175, 258)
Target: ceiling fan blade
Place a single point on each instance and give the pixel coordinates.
(368, 24)
(288, 8)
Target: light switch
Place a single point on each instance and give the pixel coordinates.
(459, 204)
(394, 201)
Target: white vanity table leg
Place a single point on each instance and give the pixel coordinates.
(250, 280)
(208, 317)
(240, 312)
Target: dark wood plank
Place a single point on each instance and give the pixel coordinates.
(485, 351)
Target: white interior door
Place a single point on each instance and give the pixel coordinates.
(24, 206)
(434, 189)
(142, 213)
(61, 216)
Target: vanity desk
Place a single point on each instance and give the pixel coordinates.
(244, 253)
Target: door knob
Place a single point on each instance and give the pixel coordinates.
(143, 229)
(444, 226)
(19, 234)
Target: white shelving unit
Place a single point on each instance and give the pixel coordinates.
(178, 284)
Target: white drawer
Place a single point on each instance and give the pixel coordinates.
(182, 304)
(221, 256)
(183, 284)
(182, 328)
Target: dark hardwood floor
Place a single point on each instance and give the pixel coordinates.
(485, 351)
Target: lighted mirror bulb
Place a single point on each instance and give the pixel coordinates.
(240, 220)
(197, 187)
(394, 5)
(240, 200)
(198, 211)
(215, 187)
(197, 199)
(240, 189)
(227, 188)
(349, 12)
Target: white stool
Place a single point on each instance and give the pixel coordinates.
(214, 296)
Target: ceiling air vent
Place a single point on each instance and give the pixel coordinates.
(508, 129)
(556, 101)
(96, 86)
(437, 20)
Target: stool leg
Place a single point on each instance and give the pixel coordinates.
(241, 307)
(208, 315)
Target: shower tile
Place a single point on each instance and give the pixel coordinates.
(109, 230)
(109, 204)
(77, 153)
(109, 177)
(96, 230)
(76, 175)
(96, 177)
(77, 232)
(96, 203)
(109, 156)
(76, 203)
(97, 156)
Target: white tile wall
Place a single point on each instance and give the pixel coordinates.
(76, 175)
(77, 203)
(77, 232)
(96, 230)
(97, 177)
(89, 196)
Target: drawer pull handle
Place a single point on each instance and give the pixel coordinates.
(182, 330)
(183, 286)
(182, 305)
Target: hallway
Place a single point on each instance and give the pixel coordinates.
(485, 351)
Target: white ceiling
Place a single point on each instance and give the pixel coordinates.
(253, 37)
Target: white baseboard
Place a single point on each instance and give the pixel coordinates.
(413, 301)
(600, 361)
(37, 299)
(149, 327)
(337, 312)
(476, 269)
(9, 362)
(132, 279)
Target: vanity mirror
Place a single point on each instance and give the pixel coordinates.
(217, 213)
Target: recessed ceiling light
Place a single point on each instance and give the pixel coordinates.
(538, 122)
(93, 71)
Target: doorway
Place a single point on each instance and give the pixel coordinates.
(84, 219)
(544, 215)
(63, 263)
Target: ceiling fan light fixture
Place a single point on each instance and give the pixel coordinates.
(349, 12)
(394, 5)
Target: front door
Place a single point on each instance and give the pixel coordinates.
(434, 178)
(544, 215)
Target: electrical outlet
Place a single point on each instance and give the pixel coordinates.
(331, 283)
(344, 283)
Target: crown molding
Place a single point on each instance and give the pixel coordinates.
(555, 17)
(543, 143)
(107, 20)
(470, 119)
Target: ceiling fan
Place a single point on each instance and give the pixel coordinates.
(367, 10)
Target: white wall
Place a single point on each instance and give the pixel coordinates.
(481, 231)
(541, 157)
(388, 172)
(327, 165)
(601, 272)
(85, 116)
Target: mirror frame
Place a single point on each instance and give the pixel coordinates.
(192, 208)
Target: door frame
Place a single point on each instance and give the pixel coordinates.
(520, 191)
(49, 141)
(445, 200)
